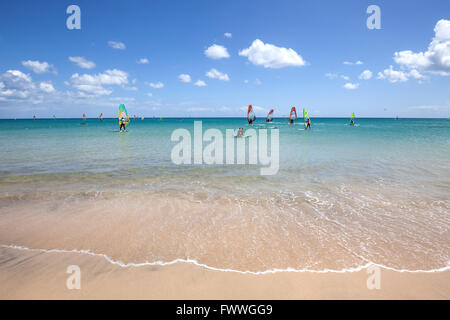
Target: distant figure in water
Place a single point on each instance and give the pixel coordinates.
(34, 117)
(352, 122)
(250, 121)
(122, 124)
(291, 121)
(308, 124)
(240, 133)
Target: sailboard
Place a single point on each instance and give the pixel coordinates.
(269, 117)
(123, 114)
(250, 114)
(292, 115)
(305, 118)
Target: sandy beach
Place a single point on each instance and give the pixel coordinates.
(35, 275)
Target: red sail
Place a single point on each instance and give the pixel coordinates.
(293, 114)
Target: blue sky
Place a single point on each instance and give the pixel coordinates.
(277, 54)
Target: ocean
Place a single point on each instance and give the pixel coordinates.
(343, 196)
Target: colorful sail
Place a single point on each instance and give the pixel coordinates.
(293, 115)
(269, 116)
(250, 114)
(84, 116)
(353, 116)
(305, 117)
(123, 114)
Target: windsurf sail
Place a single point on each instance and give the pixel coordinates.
(305, 117)
(251, 114)
(293, 115)
(100, 116)
(269, 116)
(84, 116)
(352, 119)
(123, 114)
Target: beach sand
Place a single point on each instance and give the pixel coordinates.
(42, 275)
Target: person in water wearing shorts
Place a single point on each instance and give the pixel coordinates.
(122, 124)
(308, 124)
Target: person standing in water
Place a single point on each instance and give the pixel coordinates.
(122, 124)
(308, 124)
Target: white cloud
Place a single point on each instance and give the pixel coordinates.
(184, 78)
(217, 52)
(143, 61)
(87, 84)
(271, 56)
(16, 85)
(227, 34)
(215, 74)
(258, 82)
(200, 83)
(437, 57)
(351, 86)
(245, 81)
(150, 94)
(349, 63)
(365, 75)
(117, 45)
(346, 78)
(156, 85)
(82, 62)
(47, 87)
(38, 67)
(392, 75)
(331, 75)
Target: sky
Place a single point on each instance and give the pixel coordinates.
(204, 58)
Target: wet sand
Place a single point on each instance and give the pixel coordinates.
(42, 275)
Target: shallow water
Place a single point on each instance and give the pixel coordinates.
(343, 195)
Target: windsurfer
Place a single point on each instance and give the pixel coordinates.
(122, 124)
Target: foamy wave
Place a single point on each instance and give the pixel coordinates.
(196, 263)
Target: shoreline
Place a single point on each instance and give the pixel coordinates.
(26, 274)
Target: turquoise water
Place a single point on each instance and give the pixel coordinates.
(379, 189)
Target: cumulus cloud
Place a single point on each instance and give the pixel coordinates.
(227, 35)
(351, 86)
(156, 85)
(88, 84)
(366, 75)
(184, 78)
(82, 62)
(437, 57)
(217, 52)
(16, 85)
(215, 74)
(117, 45)
(143, 61)
(394, 76)
(271, 56)
(38, 67)
(200, 83)
(47, 87)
